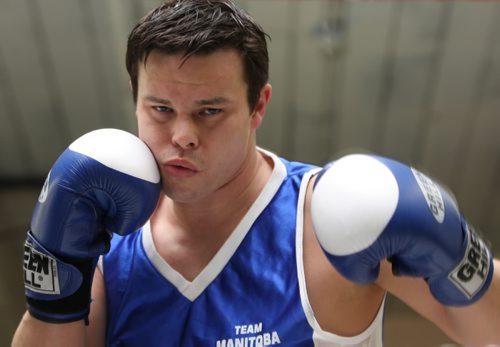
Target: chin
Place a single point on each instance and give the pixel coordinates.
(183, 195)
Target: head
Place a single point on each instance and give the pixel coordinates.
(199, 71)
(200, 27)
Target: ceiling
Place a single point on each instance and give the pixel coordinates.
(414, 80)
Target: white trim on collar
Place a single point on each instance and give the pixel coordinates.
(191, 290)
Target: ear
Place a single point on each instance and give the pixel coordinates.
(261, 106)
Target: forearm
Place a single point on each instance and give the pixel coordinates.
(34, 332)
(479, 324)
(89, 190)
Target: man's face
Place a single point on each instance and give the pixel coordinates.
(194, 115)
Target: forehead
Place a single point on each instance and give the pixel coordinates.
(221, 66)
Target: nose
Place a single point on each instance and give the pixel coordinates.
(184, 133)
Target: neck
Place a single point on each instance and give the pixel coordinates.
(224, 208)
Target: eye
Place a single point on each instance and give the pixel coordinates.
(210, 111)
(161, 108)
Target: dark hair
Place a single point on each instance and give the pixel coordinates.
(201, 27)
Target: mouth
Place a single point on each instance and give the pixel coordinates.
(179, 168)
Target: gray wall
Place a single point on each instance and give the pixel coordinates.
(417, 81)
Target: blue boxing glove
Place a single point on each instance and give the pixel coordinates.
(106, 182)
(367, 208)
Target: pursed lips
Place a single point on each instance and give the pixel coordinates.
(179, 168)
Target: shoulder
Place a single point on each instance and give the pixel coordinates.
(116, 264)
(289, 166)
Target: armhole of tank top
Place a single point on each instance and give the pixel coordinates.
(100, 264)
(318, 333)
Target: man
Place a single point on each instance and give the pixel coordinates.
(243, 248)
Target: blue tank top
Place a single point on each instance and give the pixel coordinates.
(252, 293)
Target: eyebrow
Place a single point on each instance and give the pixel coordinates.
(213, 101)
(157, 100)
(203, 102)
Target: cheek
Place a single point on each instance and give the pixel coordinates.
(233, 147)
(151, 136)
(144, 133)
(234, 139)
(141, 125)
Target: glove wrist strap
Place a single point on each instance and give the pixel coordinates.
(57, 288)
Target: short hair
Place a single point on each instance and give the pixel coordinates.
(195, 27)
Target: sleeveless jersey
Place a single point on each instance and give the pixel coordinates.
(251, 294)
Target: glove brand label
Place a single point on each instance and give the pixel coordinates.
(470, 275)
(45, 190)
(250, 335)
(432, 195)
(40, 272)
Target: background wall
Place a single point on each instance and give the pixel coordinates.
(416, 81)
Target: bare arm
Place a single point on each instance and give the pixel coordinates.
(96, 331)
(475, 325)
(34, 332)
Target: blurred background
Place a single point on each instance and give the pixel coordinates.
(418, 81)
